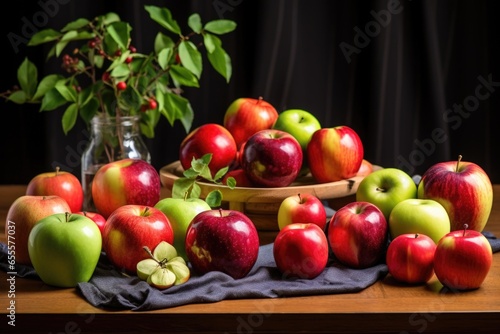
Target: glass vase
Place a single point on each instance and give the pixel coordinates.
(111, 139)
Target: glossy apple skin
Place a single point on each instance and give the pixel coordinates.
(466, 193)
(180, 212)
(302, 209)
(64, 249)
(240, 177)
(423, 216)
(357, 234)
(301, 124)
(334, 154)
(23, 215)
(208, 138)
(410, 258)
(246, 116)
(463, 260)
(301, 250)
(385, 188)
(272, 158)
(97, 218)
(58, 183)
(123, 182)
(365, 168)
(222, 240)
(131, 227)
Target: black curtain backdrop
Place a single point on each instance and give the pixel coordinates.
(418, 80)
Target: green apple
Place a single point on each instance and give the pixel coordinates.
(301, 124)
(64, 249)
(180, 212)
(422, 216)
(385, 188)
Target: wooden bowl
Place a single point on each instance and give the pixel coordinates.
(261, 204)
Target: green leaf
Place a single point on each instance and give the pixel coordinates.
(27, 75)
(52, 100)
(130, 99)
(163, 17)
(120, 32)
(59, 47)
(164, 57)
(191, 57)
(44, 36)
(75, 25)
(221, 62)
(194, 22)
(69, 36)
(176, 107)
(183, 76)
(69, 94)
(220, 26)
(110, 18)
(18, 97)
(47, 84)
(195, 191)
(120, 71)
(163, 41)
(214, 198)
(231, 182)
(69, 117)
(209, 41)
(220, 173)
(89, 109)
(182, 186)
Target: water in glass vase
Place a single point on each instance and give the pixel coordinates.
(111, 139)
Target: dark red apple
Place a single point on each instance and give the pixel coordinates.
(272, 158)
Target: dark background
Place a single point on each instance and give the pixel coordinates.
(408, 76)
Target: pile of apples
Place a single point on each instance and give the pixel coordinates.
(264, 148)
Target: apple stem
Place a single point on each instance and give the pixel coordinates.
(416, 235)
(146, 248)
(300, 198)
(220, 212)
(465, 228)
(458, 162)
(380, 189)
(67, 214)
(57, 170)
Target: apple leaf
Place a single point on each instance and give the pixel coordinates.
(214, 198)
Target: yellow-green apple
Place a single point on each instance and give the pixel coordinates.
(334, 154)
(301, 250)
(463, 188)
(64, 249)
(58, 183)
(208, 138)
(23, 215)
(463, 259)
(246, 116)
(131, 227)
(180, 212)
(301, 208)
(422, 216)
(385, 188)
(122, 182)
(222, 240)
(96, 218)
(357, 234)
(301, 124)
(410, 258)
(365, 168)
(272, 158)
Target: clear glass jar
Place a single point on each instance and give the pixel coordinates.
(111, 139)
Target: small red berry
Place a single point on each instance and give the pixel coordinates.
(152, 104)
(129, 60)
(91, 44)
(121, 85)
(118, 52)
(144, 108)
(177, 58)
(132, 48)
(105, 76)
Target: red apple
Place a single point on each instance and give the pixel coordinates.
(222, 240)
(303, 209)
(122, 182)
(365, 168)
(208, 138)
(463, 188)
(240, 177)
(246, 116)
(463, 259)
(334, 154)
(97, 218)
(23, 215)
(131, 227)
(410, 258)
(58, 183)
(357, 234)
(272, 158)
(301, 250)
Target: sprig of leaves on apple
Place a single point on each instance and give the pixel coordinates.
(188, 186)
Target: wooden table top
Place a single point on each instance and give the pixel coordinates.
(385, 306)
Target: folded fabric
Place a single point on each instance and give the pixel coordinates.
(111, 289)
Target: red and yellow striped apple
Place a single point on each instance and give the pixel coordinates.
(301, 208)
(334, 154)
